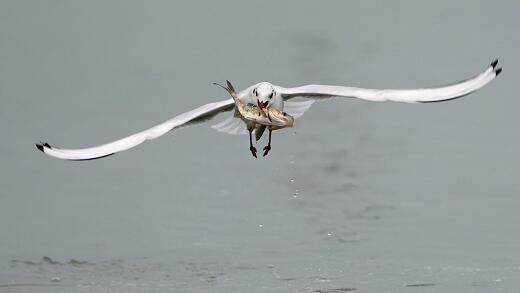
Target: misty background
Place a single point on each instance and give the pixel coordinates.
(373, 197)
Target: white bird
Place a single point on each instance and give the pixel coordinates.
(264, 95)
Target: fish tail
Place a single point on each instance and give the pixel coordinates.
(230, 86)
(229, 89)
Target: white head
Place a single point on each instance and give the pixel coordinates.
(264, 93)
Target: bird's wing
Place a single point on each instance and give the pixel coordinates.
(424, 95)
(232, 125)
(296, 107)
(197, 115)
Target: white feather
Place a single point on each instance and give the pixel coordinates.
(197, 115)
(424, 95)
(296, 108)
(295, 101)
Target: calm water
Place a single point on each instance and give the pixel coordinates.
(365, 197)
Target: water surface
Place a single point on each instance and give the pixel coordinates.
(368, 197)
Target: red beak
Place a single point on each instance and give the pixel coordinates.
(262, 104)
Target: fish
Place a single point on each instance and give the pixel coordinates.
(270, 117)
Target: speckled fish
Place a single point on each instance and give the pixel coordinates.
(259, 118)
(271, 117)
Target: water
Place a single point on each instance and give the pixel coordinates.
(368, 197)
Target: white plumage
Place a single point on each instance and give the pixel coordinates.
(268, 95)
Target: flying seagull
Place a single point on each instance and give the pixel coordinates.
(294, 101)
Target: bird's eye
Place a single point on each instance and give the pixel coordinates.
(271, 96)
(284, 114)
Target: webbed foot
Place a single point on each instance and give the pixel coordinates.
(267, 148)
(253, 151)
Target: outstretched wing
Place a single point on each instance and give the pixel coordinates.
(296, 107)
(232, 125)
(424, 95)
(195, 116)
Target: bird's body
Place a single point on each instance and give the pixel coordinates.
(254, 115)
(295, 101)
(258, 118)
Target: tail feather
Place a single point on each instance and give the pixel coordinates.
(259, 132)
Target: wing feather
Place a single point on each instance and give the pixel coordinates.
(232, 125)
(424, 95)
(195, 116)
(296, 108)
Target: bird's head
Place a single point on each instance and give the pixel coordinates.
(264, 93)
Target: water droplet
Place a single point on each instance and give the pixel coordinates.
(292, 180)
(329, 234)
(260, 226)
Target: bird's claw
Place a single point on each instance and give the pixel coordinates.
(267, 148)
(253, 151)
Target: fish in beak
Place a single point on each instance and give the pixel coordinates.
(262, 104)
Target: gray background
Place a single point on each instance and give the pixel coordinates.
(376, 197)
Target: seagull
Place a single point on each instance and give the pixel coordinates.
(294, 101)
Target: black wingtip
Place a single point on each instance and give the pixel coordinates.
(497, 72)
(40, 147)
(494, 63)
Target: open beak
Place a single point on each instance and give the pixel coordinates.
(262, 104)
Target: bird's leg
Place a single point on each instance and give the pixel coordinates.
(267, 148)
(251, 147)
